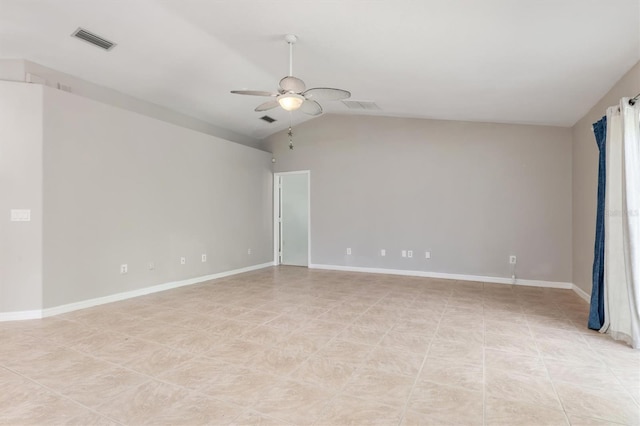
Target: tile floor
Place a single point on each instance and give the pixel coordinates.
(295, 346)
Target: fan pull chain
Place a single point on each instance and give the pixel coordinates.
(290, 133)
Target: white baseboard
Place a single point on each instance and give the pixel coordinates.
(57, 310)
(583, 294)
(20, 315)
(459, 277)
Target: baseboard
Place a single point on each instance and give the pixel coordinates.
(459, 277)
(583, 294)
(57, 310)
(20, 315)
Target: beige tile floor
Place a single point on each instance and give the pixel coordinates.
(296, 346)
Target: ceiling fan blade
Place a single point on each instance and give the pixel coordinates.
(292, 84)
(267, 106)
(311, 108)
(253, 93)
(326, 94)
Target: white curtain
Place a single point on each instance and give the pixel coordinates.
(622, 224)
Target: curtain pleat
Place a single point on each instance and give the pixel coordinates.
(631, 213)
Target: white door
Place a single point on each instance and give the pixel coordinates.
(294, 218)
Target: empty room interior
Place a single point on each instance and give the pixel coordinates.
(289, 212)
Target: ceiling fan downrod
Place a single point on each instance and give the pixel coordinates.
(291, 40)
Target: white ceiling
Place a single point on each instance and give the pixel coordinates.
(524, 61)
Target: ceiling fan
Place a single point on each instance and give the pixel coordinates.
(293, 94)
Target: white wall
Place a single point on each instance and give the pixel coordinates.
(20, 188)
(471, 193)
(585, 177)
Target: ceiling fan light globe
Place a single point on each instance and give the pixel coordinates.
(291, 101)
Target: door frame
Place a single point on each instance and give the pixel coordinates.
(277, 205)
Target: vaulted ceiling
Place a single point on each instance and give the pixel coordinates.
(525, 61)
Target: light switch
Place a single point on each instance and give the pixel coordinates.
(20, 215)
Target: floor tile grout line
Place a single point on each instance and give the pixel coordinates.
(360, 366)
(61, 395)
(546, 369)
(636, 399)
(149, 378)
(353, 295)
(484, 367)
(288, 375)
(424, 360)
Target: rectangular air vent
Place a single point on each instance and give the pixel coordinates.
(361, 105)
(64, 87)
(94, 39)
(268, 119)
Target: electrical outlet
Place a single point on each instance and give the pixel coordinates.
(348, 251)
(427, 255)
(183, 260)
(513, 260)
(410, 253)
(249, 251)
(151, 266)
(124, 268)
(204, 257)
(383, 252)
(404, 253)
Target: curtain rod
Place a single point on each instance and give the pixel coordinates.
(633, 100)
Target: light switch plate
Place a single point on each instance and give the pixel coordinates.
(20, 215)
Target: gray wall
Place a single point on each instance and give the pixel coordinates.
(15, 69)
(471, 193)
(120, 187)
(585, 177)
(20, 188)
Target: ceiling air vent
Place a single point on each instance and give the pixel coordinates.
(268, 119)
(94, 39)
(361, 105)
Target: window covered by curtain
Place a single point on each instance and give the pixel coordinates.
(619, 289)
